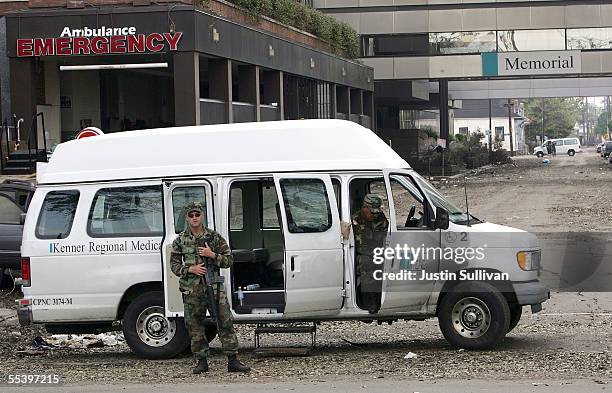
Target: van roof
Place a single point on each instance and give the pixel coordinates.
(264, 147)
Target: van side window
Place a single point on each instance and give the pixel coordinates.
(306, 205)
(409, 207)
(236, 209)
(126, 211)
(570, 142)
(57, 214)
(269, 201)
(10, 213)
(180, 197)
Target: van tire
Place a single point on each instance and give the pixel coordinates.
(571, 153)
(474, 300)
(540, 154)
(4, 279)
(144, 322)
(516, 311)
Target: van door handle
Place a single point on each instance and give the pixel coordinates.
(292, 263)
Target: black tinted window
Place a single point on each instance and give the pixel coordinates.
(57, 214)
(10, 213)
(126, 211)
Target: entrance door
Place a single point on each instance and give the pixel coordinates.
(409, 224)
(176, 196)
(313, 244)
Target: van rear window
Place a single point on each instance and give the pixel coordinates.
(126, 212)
(57, 214)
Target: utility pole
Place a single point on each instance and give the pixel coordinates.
(509, 105)
(490, 128)
(608, 116)
(542, 140)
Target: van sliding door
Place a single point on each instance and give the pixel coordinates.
(313, 244)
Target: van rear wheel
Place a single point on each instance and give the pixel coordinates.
(571, 153)
(149, 333)
(540, 154)
(475, 315)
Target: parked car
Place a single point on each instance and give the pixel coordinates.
(606, 149)
(569, 146)
(15, 196)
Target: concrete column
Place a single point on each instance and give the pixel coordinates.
(187, 89)
(23, 92)
(443, 104)
(220, 76)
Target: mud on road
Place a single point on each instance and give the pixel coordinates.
(570, 339)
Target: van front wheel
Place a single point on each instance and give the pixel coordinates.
(540, 154)
(149, 333)
(571, 153)
(475, 315)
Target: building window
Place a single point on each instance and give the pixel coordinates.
(499, 133)
(57, 214)
(462, 42)
(126, 212)
(595, 38)
(409, 119)
(530, 40)
(395, 45)
(464, 130)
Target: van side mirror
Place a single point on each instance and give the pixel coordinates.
(22, 218)
(441, 221)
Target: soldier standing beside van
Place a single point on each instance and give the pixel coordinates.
(370, 229)
(186, 264)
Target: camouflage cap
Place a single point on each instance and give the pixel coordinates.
(193, 207)
(372, 202)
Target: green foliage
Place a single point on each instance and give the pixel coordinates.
(343, 38)
(601, 128)
(560, 117)
(429, 132)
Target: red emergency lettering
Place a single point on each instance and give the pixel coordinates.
(173, 39)
(24, 47)
(44, 47)
(63, 46)
(136, 43)
(99, 45)
(117, 44)
(80, 46)
(155, 42)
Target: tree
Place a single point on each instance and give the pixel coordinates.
(601, 128)
(560, 117)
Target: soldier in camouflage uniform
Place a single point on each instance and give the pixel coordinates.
(189, 267)
(370, 230)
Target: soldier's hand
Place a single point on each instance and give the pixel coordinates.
(198, 270)
(206, 252)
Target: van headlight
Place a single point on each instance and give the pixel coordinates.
(529, 260)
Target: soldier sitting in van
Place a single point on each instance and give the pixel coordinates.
(186, 264)
(370, 230)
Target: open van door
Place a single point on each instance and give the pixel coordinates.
(313, 244)
(176, 195)
(409, 223)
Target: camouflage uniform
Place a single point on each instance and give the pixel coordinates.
(368, 236)
(195, 301)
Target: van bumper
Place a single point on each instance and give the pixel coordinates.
(24, 314)
(530, 293)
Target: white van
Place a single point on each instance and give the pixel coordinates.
(569, 146)
(98, 232)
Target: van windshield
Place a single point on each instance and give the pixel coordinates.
(455, 214)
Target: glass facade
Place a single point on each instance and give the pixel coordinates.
(530, 40)
(596, 38)
(475, 42)
(462, 42)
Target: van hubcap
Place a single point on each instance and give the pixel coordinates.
(153, 328)
(471, 317)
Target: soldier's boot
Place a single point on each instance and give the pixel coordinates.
(235, 366)
(202, 366)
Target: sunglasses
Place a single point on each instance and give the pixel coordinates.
(192, 215)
